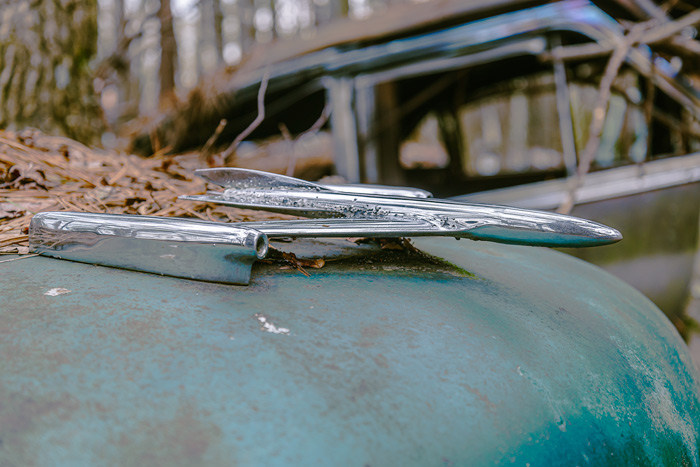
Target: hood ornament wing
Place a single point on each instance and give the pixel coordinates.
(225, 252)
(376, 211)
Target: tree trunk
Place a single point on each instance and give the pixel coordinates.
(45, 77)
(219, 31)
(273, 11)
(203, 29)
(210, 40)
(246, 13)
(168, 56)
(339, 8)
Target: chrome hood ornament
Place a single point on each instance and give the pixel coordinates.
(225, 252)
(377, 211)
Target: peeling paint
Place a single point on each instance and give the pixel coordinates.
(658, 399)
(56, 291)
(270, 327)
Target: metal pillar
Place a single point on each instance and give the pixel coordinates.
(340, 93)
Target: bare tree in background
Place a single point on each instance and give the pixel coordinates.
(218, 31)
(339, 9)
(50, 77)
(45, 76)
(210, 39)
(246, 12)
(273, 12)
(168, 56)
(115, 72)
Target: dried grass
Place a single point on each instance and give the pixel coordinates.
(39, 173)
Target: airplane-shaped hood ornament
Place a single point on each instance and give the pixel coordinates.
(225, 252)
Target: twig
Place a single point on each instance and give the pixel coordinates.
(317, 125)
(595, 129)
(255, 123)
(649, 105)
(292, 161)
(651, 36)
(671, 28)
(205, 153)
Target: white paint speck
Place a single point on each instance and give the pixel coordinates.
(167, 256)
(56, 291)
(269, 327)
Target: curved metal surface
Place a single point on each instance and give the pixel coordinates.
(654, 205)
(277, 193)
(259, 180)
(513, 354)
(172, 246)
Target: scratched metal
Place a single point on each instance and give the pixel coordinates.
(511, 354)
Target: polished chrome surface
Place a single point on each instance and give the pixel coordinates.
(369, 189)
(264, 180)
(392, 216)
(171, 246)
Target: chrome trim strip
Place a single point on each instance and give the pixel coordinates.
(597, 186)
(382, 190)
(533, 46)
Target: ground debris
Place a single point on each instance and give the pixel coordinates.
(39, 172)
(291, 260)
(396, 244)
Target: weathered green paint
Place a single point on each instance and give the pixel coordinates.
(532, 357)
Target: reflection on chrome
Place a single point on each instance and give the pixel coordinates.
(352, 213)
(171, 246)
(221, 252)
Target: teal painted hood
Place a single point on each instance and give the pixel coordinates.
(504, 354)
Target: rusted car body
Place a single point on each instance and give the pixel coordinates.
(449, 352)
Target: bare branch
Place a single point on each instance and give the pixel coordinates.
(317, 125)
(255, 123)
(600, 111)
(205, 152)
(671, 28)
(653, 35)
